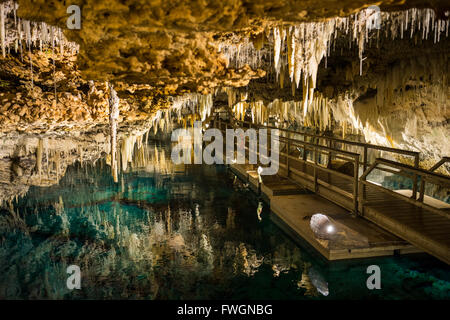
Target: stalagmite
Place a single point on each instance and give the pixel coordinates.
(305, 99)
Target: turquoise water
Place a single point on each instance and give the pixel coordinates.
(178, 233)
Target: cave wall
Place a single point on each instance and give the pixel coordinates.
(388, 89)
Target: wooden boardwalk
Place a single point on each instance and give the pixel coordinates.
(421, 227)
(356, 237)
(293, 207)
(309, 163)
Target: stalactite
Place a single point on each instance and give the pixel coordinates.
(31, 73)
(231, 97)
(2, 29)
(276, 49)
(205, 106)
(308, 43)
(240, 52)
(54, 63)
(14, 30)
(291, 51)
(39, 154)
(113, 121)
(27, 32)
(19, 31)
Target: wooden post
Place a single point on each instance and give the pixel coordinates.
(315, 170)
(355, 185)
(362, 190)
(288, 152)
(365, 158)
(329, 154)
(432, 169)
(416, 165)
(422, 189)
(304, 158)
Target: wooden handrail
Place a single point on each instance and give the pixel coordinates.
(425, 175)
(439, 164)
(405, 198)
(359, 183)
(432, 169)
(432, 176)
(365, 146)
(349, 153)
(316, 149)
(355, 143)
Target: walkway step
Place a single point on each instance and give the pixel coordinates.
(278, 186)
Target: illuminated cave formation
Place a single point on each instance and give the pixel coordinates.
(351, 73)
(91, 112)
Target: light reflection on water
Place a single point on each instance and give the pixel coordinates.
(174, 232)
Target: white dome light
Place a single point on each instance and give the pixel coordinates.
(322, 226)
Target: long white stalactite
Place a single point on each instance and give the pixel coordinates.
(303, 47)
(113, 121)
(2, 29)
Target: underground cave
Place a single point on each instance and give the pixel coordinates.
(216, 150)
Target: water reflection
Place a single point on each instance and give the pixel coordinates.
(163, 232)
(153, 235)
(314, 282)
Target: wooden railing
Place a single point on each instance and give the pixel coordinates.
(311, 173)
(406, 171)
(347, 190)
(432, 169)
(332, 142)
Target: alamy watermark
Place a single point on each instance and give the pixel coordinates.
(74, 280)
(213, 152)
(374, 19)
(374, 281)
(74, 21)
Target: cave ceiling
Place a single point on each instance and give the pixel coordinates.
(173, 44)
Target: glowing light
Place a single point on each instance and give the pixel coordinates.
(260, 170)
(322, 226)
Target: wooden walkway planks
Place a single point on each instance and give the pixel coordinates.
(423, 228)
(358, 238)
(292, 207)
(423, 221)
